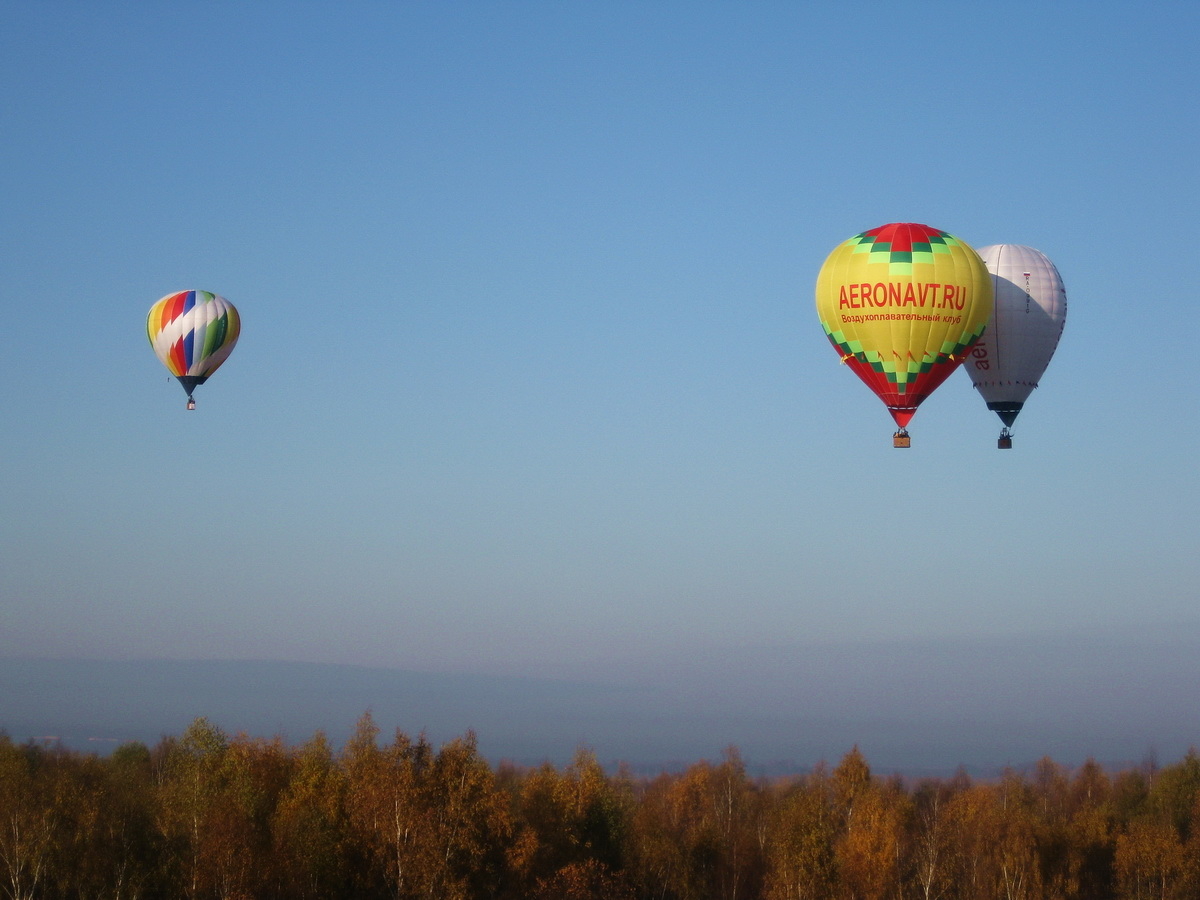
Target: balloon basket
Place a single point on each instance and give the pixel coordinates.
(191, 403)
(1004, 443)
(901, 440)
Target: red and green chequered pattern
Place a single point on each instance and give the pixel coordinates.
(903, 362)
(901, 244)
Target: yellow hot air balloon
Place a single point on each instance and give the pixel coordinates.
(902, 304)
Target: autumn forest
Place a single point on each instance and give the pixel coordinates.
(206, 815)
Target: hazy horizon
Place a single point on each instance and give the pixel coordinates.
(912, 706)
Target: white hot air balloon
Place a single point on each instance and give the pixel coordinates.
(1027, 321)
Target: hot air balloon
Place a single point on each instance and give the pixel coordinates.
(193, 332)
(1030, 311)
(902, 304)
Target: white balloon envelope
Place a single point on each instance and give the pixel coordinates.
(1027, 321)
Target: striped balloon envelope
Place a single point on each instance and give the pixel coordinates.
(192, 333)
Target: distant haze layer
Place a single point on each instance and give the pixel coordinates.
(917, 707)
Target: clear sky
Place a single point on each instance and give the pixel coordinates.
(530, 374)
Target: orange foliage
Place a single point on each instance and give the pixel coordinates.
(207, 817)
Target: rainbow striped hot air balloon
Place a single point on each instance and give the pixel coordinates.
(192, 333)
(902, 304)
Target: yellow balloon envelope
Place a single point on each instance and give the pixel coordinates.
(902, 304)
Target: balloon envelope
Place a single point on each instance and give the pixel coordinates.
(1030, 312)
(901, 305)
(192, 333)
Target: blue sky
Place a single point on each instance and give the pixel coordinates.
(530, 374)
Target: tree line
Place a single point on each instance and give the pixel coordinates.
(204, 815)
